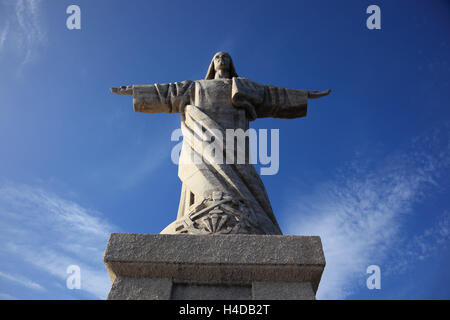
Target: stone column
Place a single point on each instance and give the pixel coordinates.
(210, 267)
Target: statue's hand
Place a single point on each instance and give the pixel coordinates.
(317, 94)
(125, 90)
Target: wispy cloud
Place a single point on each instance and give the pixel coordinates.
(429, 242)
(49, 233)
(3, 35)
(23, 29)
(360, 214)
(23, 281)
(136, 166)
(31, 32)
(151, 161)
(5, 296)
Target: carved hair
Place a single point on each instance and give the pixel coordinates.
(212, 72)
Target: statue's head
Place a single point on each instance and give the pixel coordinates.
(221, 61)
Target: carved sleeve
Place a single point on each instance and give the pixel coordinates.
(168, 98)
(283, 103)
(268, 101)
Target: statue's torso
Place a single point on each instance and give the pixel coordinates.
(214, 98)
(218, 196)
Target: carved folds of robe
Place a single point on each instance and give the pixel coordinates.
(217, 197)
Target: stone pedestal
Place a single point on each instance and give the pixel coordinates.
(219, 267)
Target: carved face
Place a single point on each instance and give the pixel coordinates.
(222, 61)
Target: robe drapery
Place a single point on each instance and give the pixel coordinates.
(217, 197)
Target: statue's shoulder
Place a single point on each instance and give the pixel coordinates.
(241, 79)
(246, 81)
(246, 84)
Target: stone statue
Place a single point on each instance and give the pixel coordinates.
(220, 198)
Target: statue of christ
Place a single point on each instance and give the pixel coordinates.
(217, 197)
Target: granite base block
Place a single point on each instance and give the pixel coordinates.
(213, 267)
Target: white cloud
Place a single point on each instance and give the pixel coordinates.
(3, 35)
(23, 281)
(134, 167)
(30, 31)
(430, 241)
(44, 231)
(144, 167)
(24, 27)
(5, 296)
(360, 214)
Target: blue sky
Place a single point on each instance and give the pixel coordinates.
(367, 169)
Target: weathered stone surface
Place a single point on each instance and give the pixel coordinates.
(128, 288)
(282, 291)
(219, 197)
(187, 291)
(228, 264)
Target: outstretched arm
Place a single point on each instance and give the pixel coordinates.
(286, 103)
(269, 101)
(313, 94)
(124, 90)
(154, 98)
